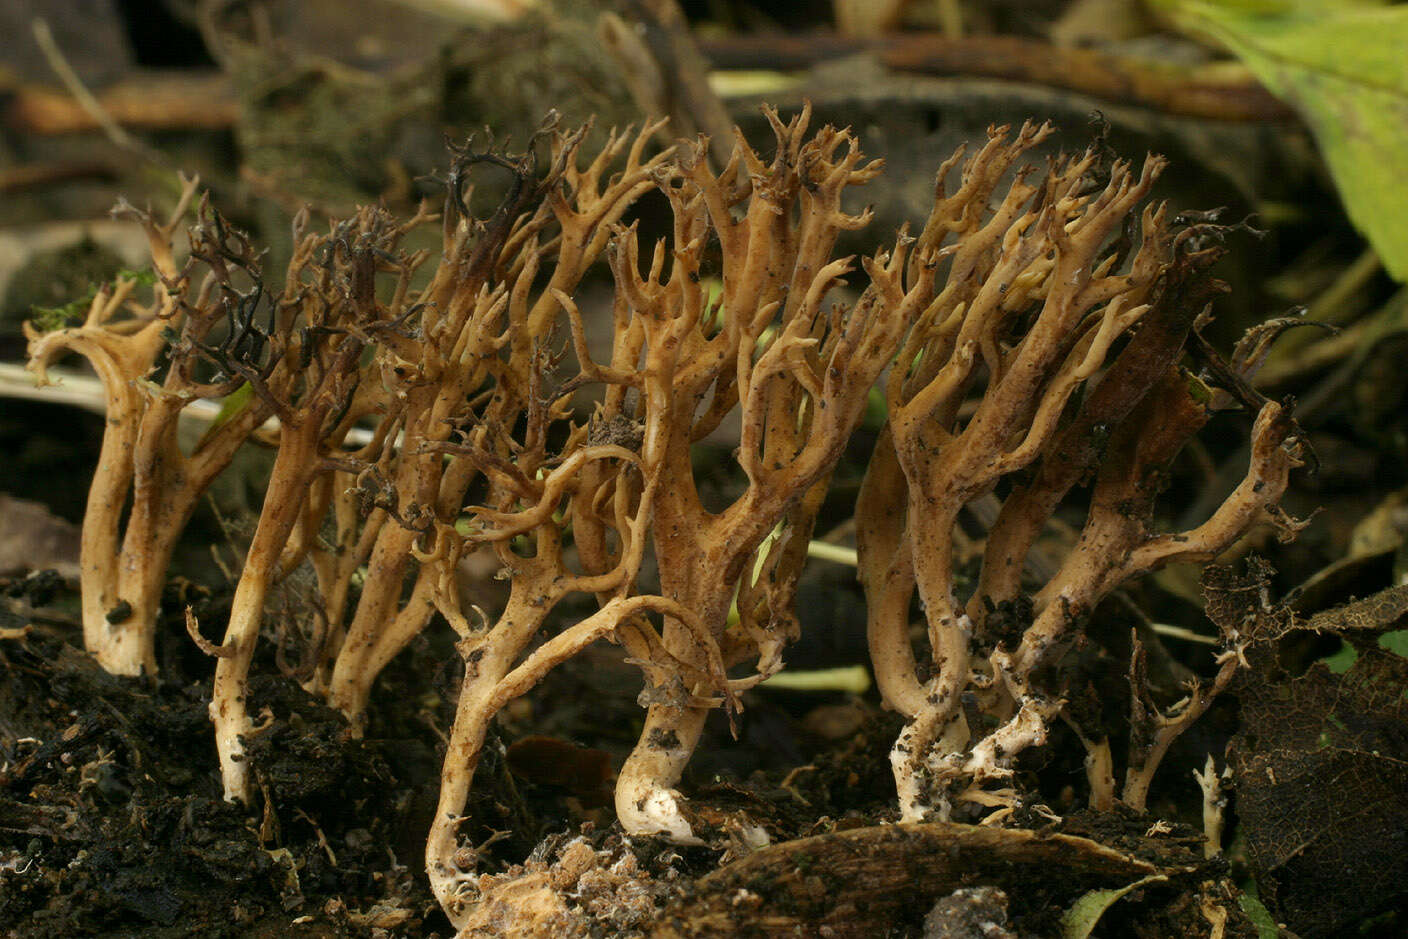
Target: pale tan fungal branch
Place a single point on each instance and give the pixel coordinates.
(491, 301)
(1035, 294)
(210, 298)
(1214, 804)
(798, 373)
(466, 351)
(526, 523)
(326, 318)
(1152, 730)
(1167, 418)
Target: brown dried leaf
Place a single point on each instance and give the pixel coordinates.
(1320, 762)
(33, 539)
(1242, 606)
(1321, 769)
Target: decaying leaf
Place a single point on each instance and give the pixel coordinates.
(33, 538)
(1242, 606)
(1321, 760)
(1321, 766)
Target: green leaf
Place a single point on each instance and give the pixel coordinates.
(853, 679)
(1342, 660)
(1341, 64)
(234, 404)
(1079, 921)
(875, 410)
(1261, 918)
(48, 319)
(1396, 641)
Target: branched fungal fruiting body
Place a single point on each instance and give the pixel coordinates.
(1035, 346)
(1036, 293)
(798, 374)
(124, 555)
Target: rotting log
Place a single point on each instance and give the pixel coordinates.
(866, 881)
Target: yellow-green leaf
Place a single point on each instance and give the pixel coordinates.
(854, 679)
(233, 405)
(1079, 921)
(1343, 66)
(1261, 918)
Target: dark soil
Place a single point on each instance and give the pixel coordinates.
(112, 821)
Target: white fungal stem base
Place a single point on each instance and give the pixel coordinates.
(646, 801)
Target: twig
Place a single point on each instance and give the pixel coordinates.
(55, 57)
(202, 643)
